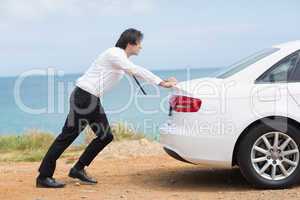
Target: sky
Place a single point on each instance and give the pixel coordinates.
(69, 34)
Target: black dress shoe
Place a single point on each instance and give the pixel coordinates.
(82, 176)
(48, 182)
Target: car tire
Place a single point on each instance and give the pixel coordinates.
(252, 160)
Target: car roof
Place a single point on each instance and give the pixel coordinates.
(289, 45)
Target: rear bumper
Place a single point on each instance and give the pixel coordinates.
(194, 149)
(175, 155)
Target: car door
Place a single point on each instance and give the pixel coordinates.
(294, 83)
(276, 91)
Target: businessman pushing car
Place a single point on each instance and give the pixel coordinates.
(86, 109)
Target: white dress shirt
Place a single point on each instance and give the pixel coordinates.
(108, 69)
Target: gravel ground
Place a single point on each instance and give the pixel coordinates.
(136, 170)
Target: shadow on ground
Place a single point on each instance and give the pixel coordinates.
(193, 179)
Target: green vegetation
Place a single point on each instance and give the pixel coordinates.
(30, 146)
(33, 144)
(120, 132)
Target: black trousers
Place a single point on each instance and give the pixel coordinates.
(85, 109)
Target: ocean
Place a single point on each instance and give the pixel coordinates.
(42, 102)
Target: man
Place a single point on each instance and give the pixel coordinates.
(86, 108)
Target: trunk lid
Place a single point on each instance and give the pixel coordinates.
(198, 88)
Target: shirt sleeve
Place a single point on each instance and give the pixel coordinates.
(122, 62)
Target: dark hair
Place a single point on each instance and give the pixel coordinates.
(129, 36)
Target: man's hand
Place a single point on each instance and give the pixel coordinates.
(172, 79)
(168, 83)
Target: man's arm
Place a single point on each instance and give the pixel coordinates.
(125, 64)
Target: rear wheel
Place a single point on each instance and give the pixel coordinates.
(268, 155)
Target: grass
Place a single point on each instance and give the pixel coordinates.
(120, 132)
(32, 145)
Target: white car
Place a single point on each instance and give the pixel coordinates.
(248, 115)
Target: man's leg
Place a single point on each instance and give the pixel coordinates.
(100, 126)
(72, 127)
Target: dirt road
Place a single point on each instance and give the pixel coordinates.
(136, 170)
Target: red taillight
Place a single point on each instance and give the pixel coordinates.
(185, 104)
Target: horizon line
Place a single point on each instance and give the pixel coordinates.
(152, 70)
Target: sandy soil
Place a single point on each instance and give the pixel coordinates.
(135, 170)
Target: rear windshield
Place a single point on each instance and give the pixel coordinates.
(244, 63)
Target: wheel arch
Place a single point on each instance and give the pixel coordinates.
(253, 124)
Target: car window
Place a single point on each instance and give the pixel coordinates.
(295, 77)
(244, 63)
(281, 71)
